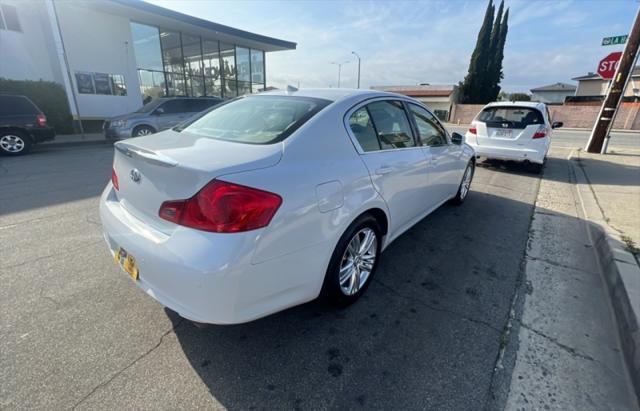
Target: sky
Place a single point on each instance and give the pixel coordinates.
(411, 42)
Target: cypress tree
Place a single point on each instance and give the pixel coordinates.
(470, 88)
(493, 66)
(498, 75)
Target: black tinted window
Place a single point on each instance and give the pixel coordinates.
(16, 105)
(510, 117)
(174, 107)
(11, 17)
(392, 124)
(362, 128)
(197, 105)
(430, 131)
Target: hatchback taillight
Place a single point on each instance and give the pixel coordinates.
(114, 179)
(541, 132)
(41, 120)
(223, 207)
(473, 130)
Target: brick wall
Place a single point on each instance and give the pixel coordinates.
(573, 116)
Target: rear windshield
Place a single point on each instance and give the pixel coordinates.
(511, 117)
(256, 119)
(16, 105)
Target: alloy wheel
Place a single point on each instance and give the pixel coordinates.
(12, 143)
(143, 132)
(358, 261)
(466, 181)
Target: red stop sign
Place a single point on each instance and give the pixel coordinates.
(608, 65)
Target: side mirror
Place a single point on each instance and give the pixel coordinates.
(457, 138)
(158, 111)
(557, 124)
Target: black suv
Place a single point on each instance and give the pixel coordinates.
(22, 124)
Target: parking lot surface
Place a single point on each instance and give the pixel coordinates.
(77, 333)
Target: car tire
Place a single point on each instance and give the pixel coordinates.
(140, 131)
(346, 289)
(14, 143)
(465, 184)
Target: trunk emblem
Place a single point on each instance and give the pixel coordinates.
(135, 175)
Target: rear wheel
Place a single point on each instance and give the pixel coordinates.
(465, 184)
(142, 131)
(354, 262)
(537, 168)
(14, 143)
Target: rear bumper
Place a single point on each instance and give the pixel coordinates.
(42, 134)
(209, 277)
(501, 153)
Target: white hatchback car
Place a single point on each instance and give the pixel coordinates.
(517, 131)
(268, 200)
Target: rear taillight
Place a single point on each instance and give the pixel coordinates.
(541, 132)
(114, 179)
(41, 120)
(223, 207)
(473, 130)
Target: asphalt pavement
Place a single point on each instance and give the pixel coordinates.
(77, 333)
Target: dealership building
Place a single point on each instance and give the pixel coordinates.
(112, 55)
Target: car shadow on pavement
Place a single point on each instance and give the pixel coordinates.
(426, 334)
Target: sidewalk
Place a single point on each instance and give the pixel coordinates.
(575, 344)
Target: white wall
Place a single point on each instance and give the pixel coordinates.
(99, 42)
(30, 54)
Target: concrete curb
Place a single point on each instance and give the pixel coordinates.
(621, 274)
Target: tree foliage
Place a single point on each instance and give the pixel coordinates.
(482, 82)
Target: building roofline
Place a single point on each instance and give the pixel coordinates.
(555, 87)
(206, 24)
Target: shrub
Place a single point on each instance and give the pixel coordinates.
(50, 97)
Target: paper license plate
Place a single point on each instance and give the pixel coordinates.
(127, 262)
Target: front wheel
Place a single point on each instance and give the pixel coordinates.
(465, 184)
(142, 131)
(354, 262)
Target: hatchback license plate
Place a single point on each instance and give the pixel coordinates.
(127, 262)
(504, 133)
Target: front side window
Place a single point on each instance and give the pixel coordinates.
(392, 124)
(511, 117)
(173, 107)
(256, 120)
(362, 128)
(429, 130)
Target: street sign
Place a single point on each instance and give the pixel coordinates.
(608, 65)
(611, 41)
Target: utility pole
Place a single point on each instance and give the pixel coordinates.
(356, 54)
(599, 139)
(339, 69)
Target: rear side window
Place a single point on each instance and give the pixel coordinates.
(174, 106)
(362, 128)
(511, 117)
(256, 119)
(392, 124)
(16, 105)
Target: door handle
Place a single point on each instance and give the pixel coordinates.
(384, 170)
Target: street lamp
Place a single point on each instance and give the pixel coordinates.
(339, 69)
(356, 54)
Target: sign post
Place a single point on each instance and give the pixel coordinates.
(599, 138)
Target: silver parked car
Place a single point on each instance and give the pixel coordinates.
(157, 115)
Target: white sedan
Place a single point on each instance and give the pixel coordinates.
(517, 131)
(271, 200)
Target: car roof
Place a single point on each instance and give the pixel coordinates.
(332, 94)
(532, 104)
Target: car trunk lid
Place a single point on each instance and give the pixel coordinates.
(175, 166)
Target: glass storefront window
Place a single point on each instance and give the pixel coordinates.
(230, 89)
(151, 85)
(195, 86)
(242, 64)
(213, 86)
(227, 52)
(211, 58)
(192, 55)
(146, 45)
(257, 88)
(244, 87)
(257, 66)
(171, 51)
(175, 84)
